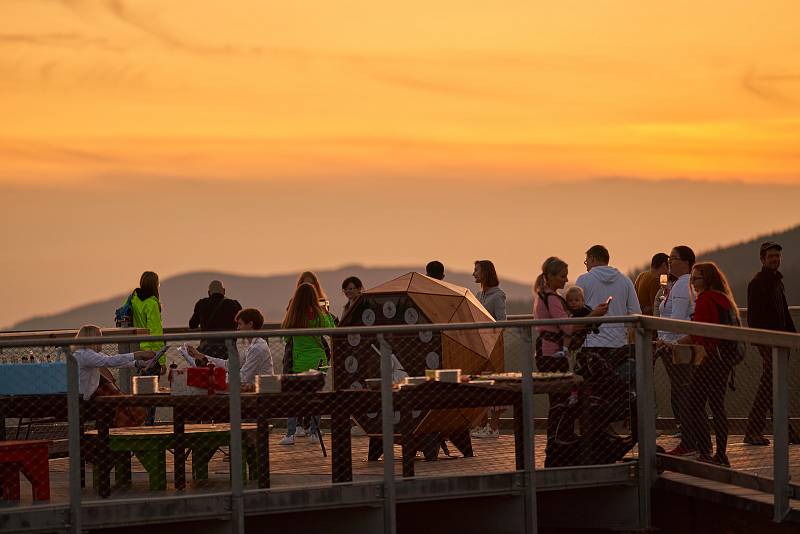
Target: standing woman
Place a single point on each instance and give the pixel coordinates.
(146, 309)
(307, 277)
(352, 288)
(709, 382)
(491, 296)
(550, 354)
(494, 300)
(307, 352)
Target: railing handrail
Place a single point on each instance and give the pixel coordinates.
(341, 331)
(742, 334)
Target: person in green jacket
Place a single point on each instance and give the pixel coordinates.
(146, 310)
(308, 352)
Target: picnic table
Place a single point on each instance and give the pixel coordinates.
(260, 408)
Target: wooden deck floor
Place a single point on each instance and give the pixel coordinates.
(302, 464)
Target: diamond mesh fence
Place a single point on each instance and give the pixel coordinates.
(714, 403)
(312, 409)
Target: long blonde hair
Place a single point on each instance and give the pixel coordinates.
(551, 267)
(88, 330)
(314, 282)
(304, 304)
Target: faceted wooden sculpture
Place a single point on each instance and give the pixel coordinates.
(417, 299)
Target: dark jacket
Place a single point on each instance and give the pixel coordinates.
(205, 316)
(766, 302)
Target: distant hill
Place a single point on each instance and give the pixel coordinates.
(739, 263)
(270, 294)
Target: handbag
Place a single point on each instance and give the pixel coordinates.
(124, 415)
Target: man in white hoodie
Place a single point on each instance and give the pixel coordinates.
(600, 283)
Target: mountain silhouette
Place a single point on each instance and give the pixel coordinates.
(270, 294)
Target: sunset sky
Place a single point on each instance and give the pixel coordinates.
(258, 137)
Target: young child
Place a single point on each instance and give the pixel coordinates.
(576, 305)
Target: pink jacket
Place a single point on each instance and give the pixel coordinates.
(553, 309)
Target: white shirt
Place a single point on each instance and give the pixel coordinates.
(89, 364)
(254, 359)
(679, 304)
(599, 284)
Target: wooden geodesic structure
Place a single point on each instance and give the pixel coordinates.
(417, 299)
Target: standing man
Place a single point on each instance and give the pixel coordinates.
(603, 284)
(678, 304)
(215, 313)
(649, 282)
(767, 308)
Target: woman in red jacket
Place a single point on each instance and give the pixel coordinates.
(714, 305)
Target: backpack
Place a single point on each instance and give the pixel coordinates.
(123, 316)
(730, 350)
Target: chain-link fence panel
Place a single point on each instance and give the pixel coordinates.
(715, 399)
(593, 420)
(33, 426)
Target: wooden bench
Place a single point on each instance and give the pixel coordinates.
(31, 458)
(150, 444)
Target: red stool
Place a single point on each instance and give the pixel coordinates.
(32, 459)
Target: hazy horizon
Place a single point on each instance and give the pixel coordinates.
(93, 243)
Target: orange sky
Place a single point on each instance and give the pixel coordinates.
(138, 125)
(513, 90)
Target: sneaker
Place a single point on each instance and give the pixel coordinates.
(720, 458)
(755, 439)
(300, 432)
(485, 432)
(682, 450)
(313, 439)
(287, 440)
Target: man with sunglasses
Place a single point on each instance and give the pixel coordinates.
(678, 304)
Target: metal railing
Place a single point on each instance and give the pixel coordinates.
(520, 333)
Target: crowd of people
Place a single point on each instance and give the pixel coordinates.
(675, 287)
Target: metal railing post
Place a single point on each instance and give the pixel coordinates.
(74, 442)
(237, 483)
(780, 442)
(529, 460)
(645, 422)
(387, 420)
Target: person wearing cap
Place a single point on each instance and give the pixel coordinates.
(767, 308)
(215, 313)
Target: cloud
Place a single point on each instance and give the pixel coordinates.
(770, 88)
(60, 40)
(151, 27)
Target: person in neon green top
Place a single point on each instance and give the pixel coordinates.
(308, 352)
(146, 310)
